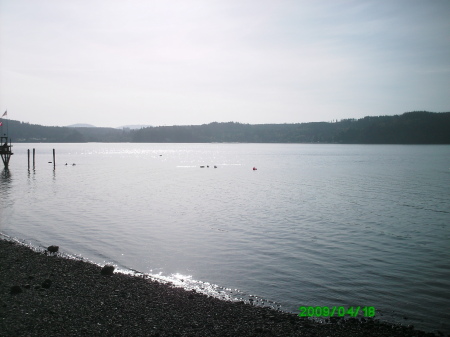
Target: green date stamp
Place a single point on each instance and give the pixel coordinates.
(336, 311)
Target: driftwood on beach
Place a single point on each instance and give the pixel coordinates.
(44, 294)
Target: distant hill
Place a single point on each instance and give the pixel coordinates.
(417, 127)
(81, 126)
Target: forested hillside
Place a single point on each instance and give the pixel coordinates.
(418, 127)
(31, 133)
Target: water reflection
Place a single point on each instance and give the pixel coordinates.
(5, 188)
(5, 180)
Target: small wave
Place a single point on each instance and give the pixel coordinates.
(426, 209)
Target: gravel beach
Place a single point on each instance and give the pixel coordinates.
(45, 294)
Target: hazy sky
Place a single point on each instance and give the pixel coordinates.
(163, 62)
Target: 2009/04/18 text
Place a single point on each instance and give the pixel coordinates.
(336, 311)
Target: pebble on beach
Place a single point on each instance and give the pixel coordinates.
(53, 249)
(107, 270)
(46, 284)
(15, 290)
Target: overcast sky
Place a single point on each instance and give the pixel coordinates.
(163, 62)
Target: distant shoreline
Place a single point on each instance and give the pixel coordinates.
(56, 296)
(417, 127)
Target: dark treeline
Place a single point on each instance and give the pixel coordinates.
(418, 127)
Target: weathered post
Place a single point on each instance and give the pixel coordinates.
(54, 163)
(34, 161)
(28, 159)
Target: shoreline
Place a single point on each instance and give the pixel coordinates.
(67, 297)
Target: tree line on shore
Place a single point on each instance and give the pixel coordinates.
(417, 127)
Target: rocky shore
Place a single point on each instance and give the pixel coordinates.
(44, 294)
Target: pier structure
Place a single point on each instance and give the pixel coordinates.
(5, 150)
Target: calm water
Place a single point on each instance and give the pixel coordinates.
(315, 225)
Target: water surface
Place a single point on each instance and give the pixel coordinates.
(314, 225)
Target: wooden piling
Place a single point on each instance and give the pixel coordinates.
(34, 159)
(5, 150)
(54, 162)
(28, 159)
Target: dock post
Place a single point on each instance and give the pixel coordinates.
(54, 163)
(34, 161)
(5, 150)
(28, 159)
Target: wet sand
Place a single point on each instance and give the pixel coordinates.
(45, 294)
